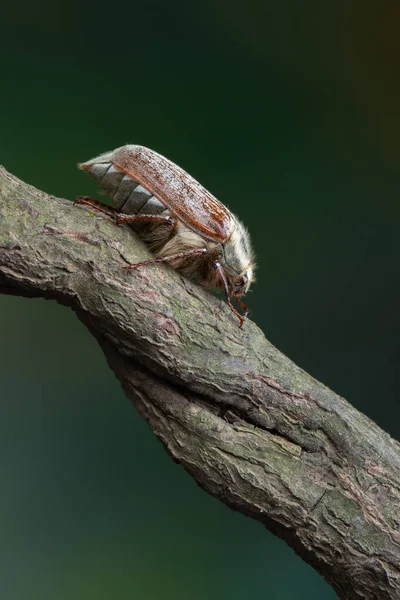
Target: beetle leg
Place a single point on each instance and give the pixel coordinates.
(165, 259)
(119, 217)
(245, 308)
(106, 209)
(221, 273)
(122, 218)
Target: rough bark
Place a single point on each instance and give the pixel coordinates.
(252, 428)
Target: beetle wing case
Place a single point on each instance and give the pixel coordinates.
(186, 198)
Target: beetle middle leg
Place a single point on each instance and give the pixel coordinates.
(102, 207)
(166, 259)
(122, 218)
(118, 217)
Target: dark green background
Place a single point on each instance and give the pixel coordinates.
(287, 111)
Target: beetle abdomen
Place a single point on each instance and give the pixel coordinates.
(128, 196)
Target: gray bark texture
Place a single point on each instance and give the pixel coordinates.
(251, 427)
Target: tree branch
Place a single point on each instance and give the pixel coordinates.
(252, 428)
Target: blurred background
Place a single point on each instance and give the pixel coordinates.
(289, 113)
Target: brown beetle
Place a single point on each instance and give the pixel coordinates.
(179, 220)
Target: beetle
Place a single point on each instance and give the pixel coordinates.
(178, 219)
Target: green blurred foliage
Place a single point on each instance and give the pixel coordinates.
(289, 113)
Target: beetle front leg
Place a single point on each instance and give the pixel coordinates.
(222, 275)
(246, 310)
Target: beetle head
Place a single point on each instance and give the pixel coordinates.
(238, 262)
